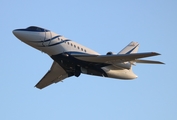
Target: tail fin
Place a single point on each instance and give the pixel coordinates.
(130, 48)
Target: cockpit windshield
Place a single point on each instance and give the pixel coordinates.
(37, 29)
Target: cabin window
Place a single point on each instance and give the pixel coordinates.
(71, 44)
(78, 47)
(68, 43)
(82, 49)
(75, 46)
(85, 50)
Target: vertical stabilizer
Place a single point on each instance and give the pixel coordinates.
(130, 48)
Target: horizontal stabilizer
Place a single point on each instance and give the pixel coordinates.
(148, 62)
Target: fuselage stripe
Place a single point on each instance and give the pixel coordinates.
(131, 49)
(58, 43)
(42, 41)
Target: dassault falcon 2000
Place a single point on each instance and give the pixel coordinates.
(72, 59)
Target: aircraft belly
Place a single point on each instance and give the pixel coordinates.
(72, 65)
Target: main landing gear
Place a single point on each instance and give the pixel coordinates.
(77, 71)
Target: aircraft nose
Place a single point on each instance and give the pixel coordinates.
(20, 34)
(17, 33)
(14, 32)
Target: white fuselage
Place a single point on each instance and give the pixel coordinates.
(54, 44)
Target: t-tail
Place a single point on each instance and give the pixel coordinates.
(125, 65)
(130, 48)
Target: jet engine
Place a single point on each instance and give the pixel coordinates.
(110, 53)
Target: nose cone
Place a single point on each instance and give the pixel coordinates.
(18, 33)
(23, 35)
(14, 32)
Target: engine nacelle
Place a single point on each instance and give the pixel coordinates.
(124, 65)
(120, 74)
(110, 53)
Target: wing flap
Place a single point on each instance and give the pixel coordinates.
(118, 57)
(54, 75)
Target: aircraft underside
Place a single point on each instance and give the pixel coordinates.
(75, 67)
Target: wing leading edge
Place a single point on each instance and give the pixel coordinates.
(54, 75)
(117, 57)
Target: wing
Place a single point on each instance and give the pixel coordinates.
(54, 75)
(115, 58)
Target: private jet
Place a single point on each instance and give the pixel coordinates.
(72, 59)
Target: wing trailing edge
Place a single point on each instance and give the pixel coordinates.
(118, 57)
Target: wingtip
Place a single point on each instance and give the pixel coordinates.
(155, 53)
(162, 63)
(37, 87)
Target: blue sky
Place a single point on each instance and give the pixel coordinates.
(102, 25)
